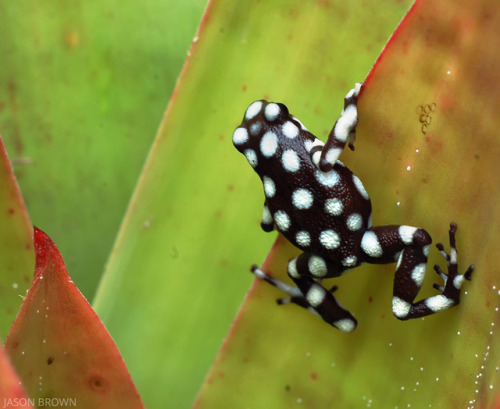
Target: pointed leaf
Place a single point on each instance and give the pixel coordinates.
(59, 346)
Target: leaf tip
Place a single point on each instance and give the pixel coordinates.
(46, 252)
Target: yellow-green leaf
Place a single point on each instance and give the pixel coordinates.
(179, 269)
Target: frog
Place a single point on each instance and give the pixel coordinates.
(319, 205)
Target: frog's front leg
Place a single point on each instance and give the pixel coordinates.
(309, 293)
(410, 246)
(344, 129)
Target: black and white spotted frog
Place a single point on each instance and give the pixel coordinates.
(320, 206)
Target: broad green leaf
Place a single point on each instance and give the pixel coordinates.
(83, 85)
(59, 346)
(179, 269)
(445, 56)
(16, 245)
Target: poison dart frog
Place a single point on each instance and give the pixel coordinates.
(321, 207)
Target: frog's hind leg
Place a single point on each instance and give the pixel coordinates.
(410, 247)
(309, 293)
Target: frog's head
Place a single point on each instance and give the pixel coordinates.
(266, 132)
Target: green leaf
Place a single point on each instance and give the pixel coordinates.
(179, 269)
(59, 346)
(16, 245)
(442, 54)
(83, 86)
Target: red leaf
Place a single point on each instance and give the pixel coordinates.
(11, 391)
(60, 347)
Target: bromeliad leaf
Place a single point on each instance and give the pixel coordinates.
(59, 346)
(16, 244)
(12, 393)
(427, 151)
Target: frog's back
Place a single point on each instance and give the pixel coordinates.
(325, 213)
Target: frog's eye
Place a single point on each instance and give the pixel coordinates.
(263, 125)
(254, 109)
(272, 111)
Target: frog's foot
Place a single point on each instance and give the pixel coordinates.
(452, 281)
